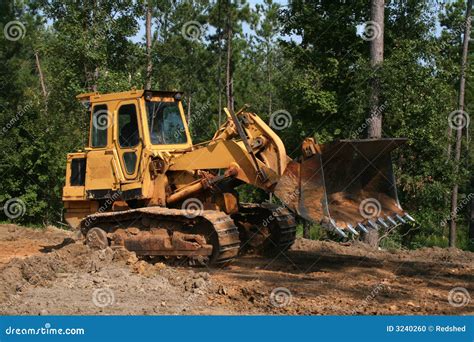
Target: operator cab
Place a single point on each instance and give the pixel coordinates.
(125, 129)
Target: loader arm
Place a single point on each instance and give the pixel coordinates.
(267, 152)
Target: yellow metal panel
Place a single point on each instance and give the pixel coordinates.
(218, 155)
(131, 186)
(221, 155)
(117, 169)
(96, 97)
(99, 173)
(276, 154)
(76, 211)
(72, 193)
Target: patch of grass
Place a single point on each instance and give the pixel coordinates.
(316, 232)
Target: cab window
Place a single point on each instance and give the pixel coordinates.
(128, 126)
(165, 123)
(99, 126)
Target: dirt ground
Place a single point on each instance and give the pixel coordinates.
(44, 272)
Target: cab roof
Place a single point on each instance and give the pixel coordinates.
(124, 95)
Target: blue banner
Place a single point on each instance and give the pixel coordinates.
(237, 328)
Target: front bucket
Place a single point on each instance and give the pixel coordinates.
(347, 185)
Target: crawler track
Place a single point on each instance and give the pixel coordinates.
(266, 227)
(216, 227)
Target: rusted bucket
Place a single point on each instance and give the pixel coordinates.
(347, 186)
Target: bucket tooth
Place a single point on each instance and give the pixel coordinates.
(401, 219)
(333, 226)
(340, 232)
(392, 221)
(362, 228)
(373, 224)
(408, 216)
(352, 230)
(382, 222)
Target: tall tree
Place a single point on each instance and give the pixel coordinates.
(267, 32)
(229, 62)
(376, 59)
(149, 63)
(459, 131)
(219, 63)
(40, 74)
(374, 129)
(228, 16)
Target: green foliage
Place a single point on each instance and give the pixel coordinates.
(316, 232)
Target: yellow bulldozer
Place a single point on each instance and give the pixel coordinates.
(140, 183)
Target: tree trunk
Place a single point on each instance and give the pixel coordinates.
(219, 85)
(306, 227)
(41, 77)
(229, 73)
(471, 223)
(219, 63)
(374, 130)
(457, 149)
(269, 70)
(149, 65)
(95, 76)
(95, 79)
(376, 59)
(450, 135)
(188, 116)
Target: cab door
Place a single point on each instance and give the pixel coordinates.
(128, 139)
(100, 178)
